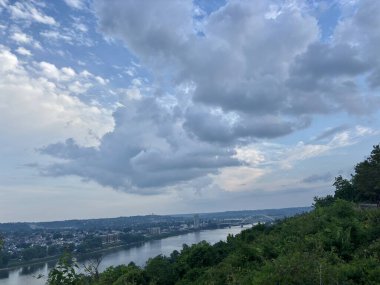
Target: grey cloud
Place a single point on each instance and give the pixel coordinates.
(267, 77)
(361, 31)
(155, 29)
(147, 148)
(325, 177)
(240, 62)
(245, 62)
(323, 60)
(67, 150)
(270, 126)
(324, 79)
(374, 78)
(217, 127)
(330, 132)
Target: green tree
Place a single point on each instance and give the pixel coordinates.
(133, 276)
(323, 201)
(161, 271)
(64, 273)
(4, 258)
(343, 189)
(366, 179)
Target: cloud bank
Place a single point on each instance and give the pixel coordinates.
(224, 80)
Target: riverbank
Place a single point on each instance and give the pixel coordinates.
(107, 249)
(139, 255)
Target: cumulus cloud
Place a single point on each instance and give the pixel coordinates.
(147, 149)
(228, 80)
(67, 78)
(273, 69)
(34, 109)
(217, 126)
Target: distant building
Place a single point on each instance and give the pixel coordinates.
(184, 227)
(155, 231)
(196, 221)
(110, 238)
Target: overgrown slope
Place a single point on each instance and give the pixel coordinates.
(337, 244)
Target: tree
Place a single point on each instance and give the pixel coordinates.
(4, 258)
(344, 189)
(366, 179)
(160, 271)
(65, 272)
(133, 275)
(323, 201)
(92, 267)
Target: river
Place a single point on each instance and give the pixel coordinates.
(138, 254)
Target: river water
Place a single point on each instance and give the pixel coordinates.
(139, 255)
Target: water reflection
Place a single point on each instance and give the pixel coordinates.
(31, 269)
(197, 236)
(4, 274)
(155, 244)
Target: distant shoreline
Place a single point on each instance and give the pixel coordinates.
(102, 250)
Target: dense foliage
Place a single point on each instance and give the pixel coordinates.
(3, 256)
(337, 243)
(364, 185)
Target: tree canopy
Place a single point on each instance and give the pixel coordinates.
(364, 185)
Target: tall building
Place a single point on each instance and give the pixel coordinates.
(155, 230)
(196, 221)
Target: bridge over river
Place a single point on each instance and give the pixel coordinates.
(251, 220)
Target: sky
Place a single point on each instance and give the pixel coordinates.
(119, 107)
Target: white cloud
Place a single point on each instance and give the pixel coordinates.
(267, 154)
(69, 72)
(50, 70)
(67, 78)
(23, 51)
(35, 111)
(132, 93)
(56, 35)
(68, 35)
(78, 87)
(27, 11)
(76, 4)
(243, 178)
(250, 155)
(3, 3)
(8, 60)
(80, 27)
(101, 80)
(21, 38)
(24, 39)
(243, 71)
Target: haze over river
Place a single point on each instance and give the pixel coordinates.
(138, 254)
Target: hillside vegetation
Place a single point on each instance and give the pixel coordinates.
(337, 243)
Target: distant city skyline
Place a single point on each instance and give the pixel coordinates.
(116, 108)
